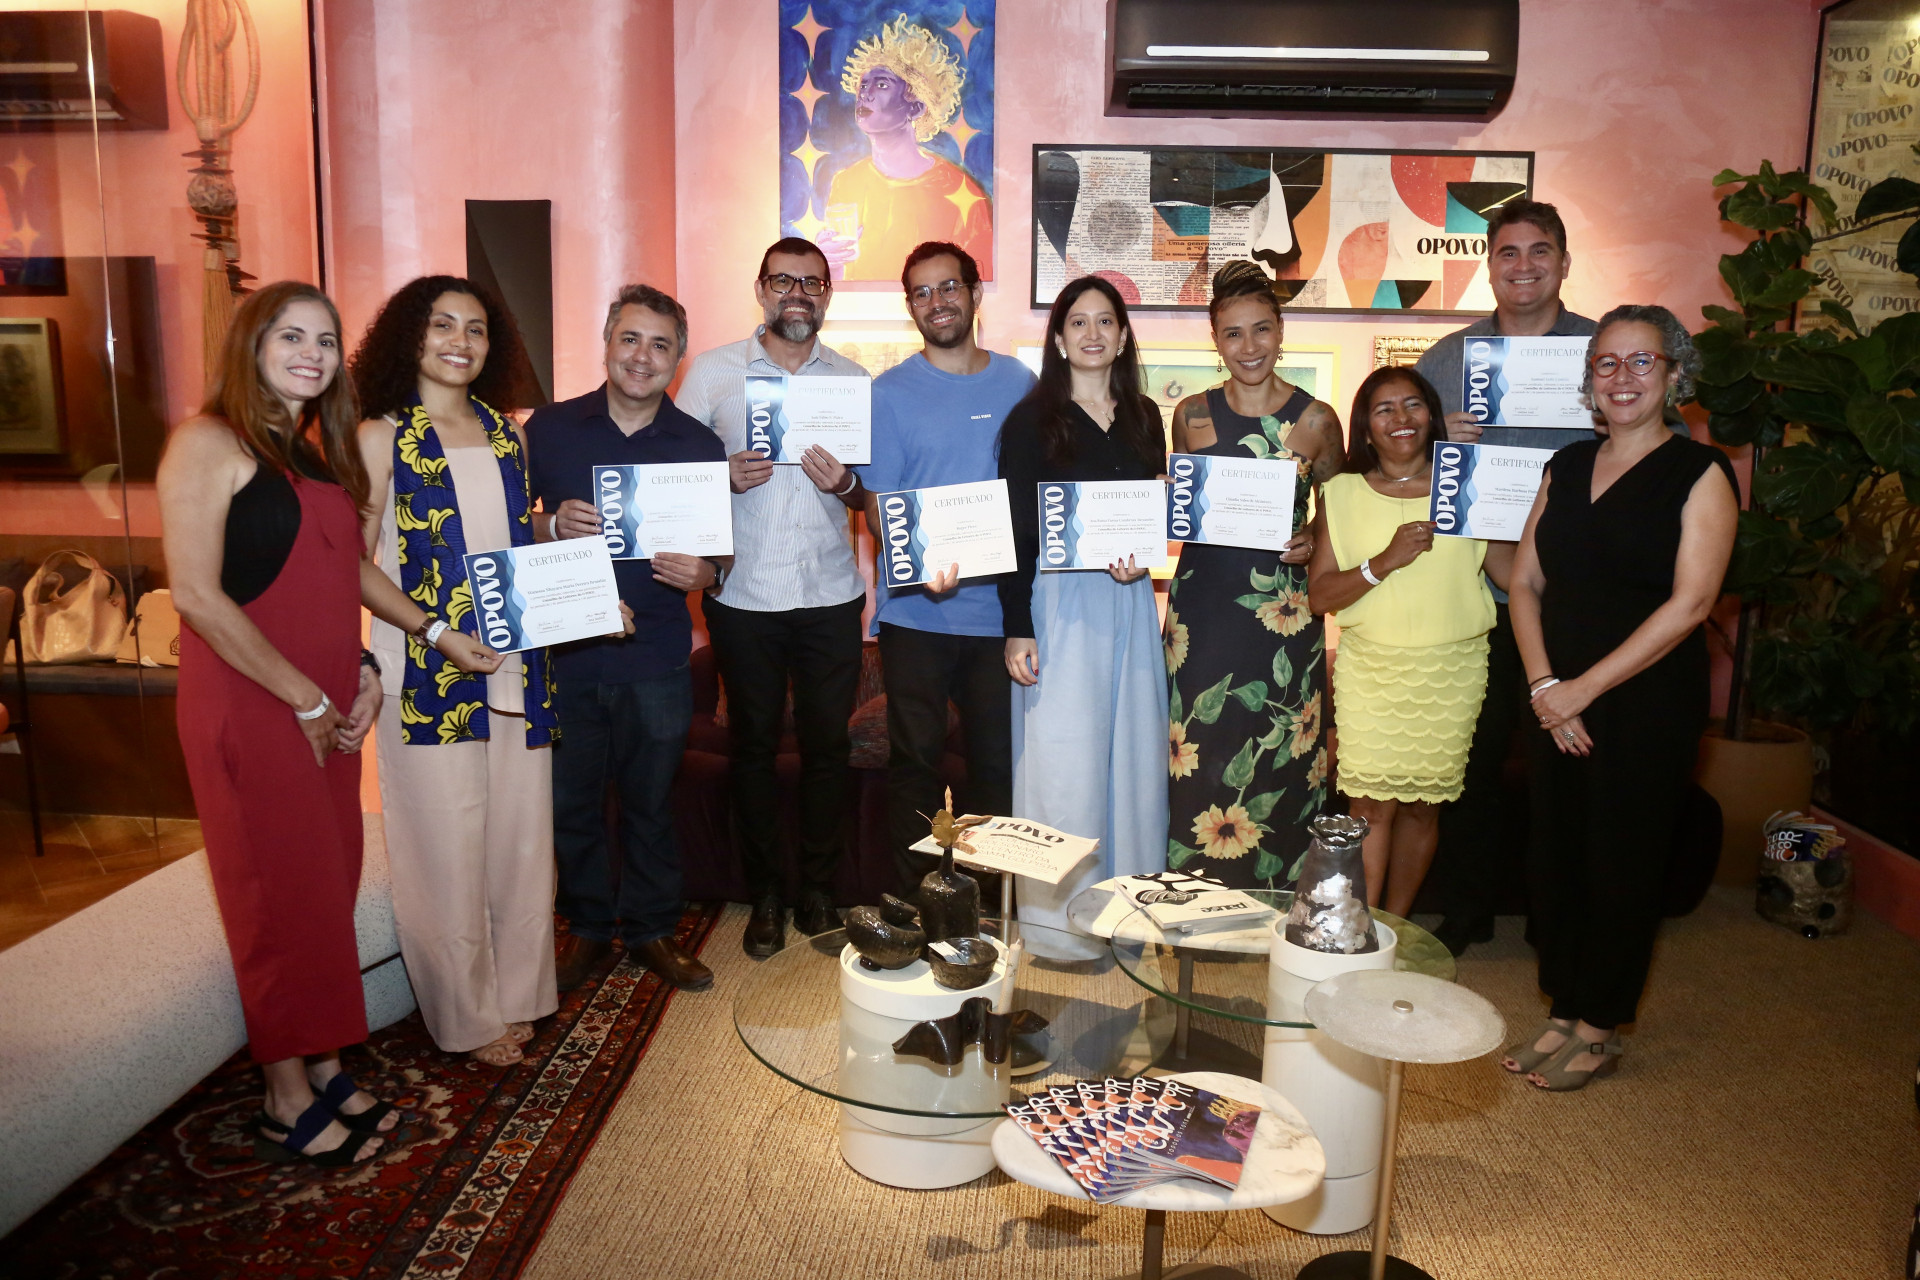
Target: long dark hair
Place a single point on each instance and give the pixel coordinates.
(237, 396)
(1135, 419)
(386, 367)
(1361, 456)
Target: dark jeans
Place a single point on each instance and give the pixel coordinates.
(630, 734)
(1470, 858)
(819, 650)
(923, 670)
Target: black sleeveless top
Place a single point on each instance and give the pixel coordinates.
(263, 519)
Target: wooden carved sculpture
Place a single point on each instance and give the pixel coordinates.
(206, 81)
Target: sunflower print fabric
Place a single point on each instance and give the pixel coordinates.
(1247, 702)
(439, 703)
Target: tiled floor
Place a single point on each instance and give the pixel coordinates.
(88, 857)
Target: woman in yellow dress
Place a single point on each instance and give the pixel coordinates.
(1414, 612)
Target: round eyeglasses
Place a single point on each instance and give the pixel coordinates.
(812, 286)
(948, 290)
(1639, 363)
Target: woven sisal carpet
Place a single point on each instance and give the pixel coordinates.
(1762, 1125)
(461, 1191)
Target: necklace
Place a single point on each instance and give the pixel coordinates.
(1418, 475)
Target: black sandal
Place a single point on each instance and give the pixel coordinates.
(287, 1149)
(338, 1091)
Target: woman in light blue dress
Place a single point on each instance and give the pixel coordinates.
(1083, 647)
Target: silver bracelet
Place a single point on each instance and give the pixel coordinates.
(434, 632)
(1366, 571)
(326, 705)
(553, 526)
(853, 478)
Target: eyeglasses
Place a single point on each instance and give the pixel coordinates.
(1641, 363)
(783, 283)
(947, 289)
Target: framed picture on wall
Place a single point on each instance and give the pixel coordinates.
(1397, 232)
(886, 132)
(1399, 351)
(1866, 120)
(32, 420)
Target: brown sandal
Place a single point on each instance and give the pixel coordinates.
(1525, 1057)
(1554, 1077)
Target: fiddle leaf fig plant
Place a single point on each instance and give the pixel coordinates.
(1826, 553)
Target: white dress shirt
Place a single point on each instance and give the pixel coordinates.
(792, 544)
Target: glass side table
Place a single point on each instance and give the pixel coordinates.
(906, 1120)
(1257, 1026)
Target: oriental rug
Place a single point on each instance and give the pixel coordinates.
(461, 1191)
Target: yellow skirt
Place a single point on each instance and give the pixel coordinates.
(1405, 717)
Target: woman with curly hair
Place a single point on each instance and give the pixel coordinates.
(1621, 561)
(1248, 771)
(465, 777)
(1414, 613)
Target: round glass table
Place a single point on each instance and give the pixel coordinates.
(907, 1118)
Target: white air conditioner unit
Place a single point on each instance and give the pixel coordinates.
(1366, 59)
(71, 67)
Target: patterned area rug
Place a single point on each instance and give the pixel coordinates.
(462, 1189)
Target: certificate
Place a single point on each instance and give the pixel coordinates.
(664, 506)
(548, 593)
(1484, 490)
(1090, 524)
(923, 531)
(1239, 502)
(788, 415)
(1525, 382)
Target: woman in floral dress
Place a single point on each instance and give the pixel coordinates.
(1246, 659)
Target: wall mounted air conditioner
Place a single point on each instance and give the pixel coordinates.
(1367, 59)
(44, 79)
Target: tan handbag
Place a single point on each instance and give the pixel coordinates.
(154, 638)
(83, 623)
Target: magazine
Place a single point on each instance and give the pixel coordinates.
(1185, 903)
(1114, 1136)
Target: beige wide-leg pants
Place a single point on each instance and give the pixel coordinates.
(470, 842)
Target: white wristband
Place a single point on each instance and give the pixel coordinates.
(326, 704)
(553, 526)
(434, 632)
(1366, 571)
(1542, 687)
(853, 478)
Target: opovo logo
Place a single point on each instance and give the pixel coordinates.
(611, 497)
(1053, 524)
(491, 600)
(899, 536)
(1180, 498)
(1447, 465)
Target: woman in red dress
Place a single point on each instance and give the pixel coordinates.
(260, 499)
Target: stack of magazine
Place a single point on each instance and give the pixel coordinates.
(1191, 904)
(1117, 1136)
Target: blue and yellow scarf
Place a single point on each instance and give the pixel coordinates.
(439, 703)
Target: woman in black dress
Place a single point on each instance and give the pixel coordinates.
(1246, 657)
(1622, 559)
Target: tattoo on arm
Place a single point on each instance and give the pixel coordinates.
(1329, 443)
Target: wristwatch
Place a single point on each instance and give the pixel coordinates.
(719, 574)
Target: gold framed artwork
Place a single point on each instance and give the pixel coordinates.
(31, 416)
(1400, 351)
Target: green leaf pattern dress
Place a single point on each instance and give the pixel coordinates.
(1246, 675)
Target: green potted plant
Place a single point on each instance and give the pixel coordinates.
(1828, 638)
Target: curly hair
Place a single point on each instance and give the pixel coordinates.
(386, 366)
(932, 71)
(1676, 344)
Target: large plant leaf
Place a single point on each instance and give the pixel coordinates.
(1901, 336)
(1803, 481)
(1889, 195)
(1839, 314)
(1730, 398)
(1786, 288)
(1726, 357)
(1870, 356)
(1745, 276)
(1813, 408)
(1889, 430)
(1812, 370)
(1752, 207)
(1748, 426)
(1764, 550)
(1906, 254)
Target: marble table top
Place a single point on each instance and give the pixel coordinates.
(1284, 1164)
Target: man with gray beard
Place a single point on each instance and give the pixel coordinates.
(790, 607)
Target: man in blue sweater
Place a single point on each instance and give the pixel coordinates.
(936, 420)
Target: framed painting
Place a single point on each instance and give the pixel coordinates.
(1399, 351)
(886, 131)
(31, 417)
(1396, 232)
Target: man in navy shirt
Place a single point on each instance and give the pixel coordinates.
(936, 420)
(625, 703)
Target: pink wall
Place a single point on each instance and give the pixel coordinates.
(430, 103)
(1626, 121)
